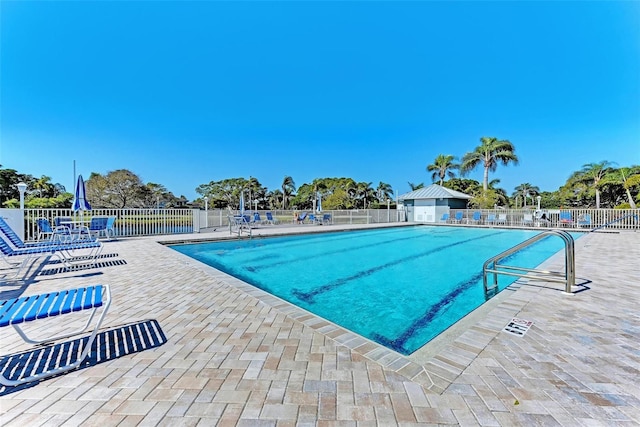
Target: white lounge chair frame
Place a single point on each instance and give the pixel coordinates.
(35, 307)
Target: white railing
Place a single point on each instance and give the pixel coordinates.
(149, 222)
(219, 217)
(129, 222)
(586, 219)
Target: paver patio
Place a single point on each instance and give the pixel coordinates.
(237, 356)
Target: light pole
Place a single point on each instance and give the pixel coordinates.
(206, 212)
(22, 187)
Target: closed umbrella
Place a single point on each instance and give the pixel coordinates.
(80, 202)
(242, 203)
(319, 202)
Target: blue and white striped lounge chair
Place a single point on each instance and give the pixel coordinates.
(18, 312)
(26, 252)
(13, 239)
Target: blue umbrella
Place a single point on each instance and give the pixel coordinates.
(319, 202)
(80, 202)
(242, 203)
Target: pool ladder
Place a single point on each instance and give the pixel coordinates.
(492, 266)
(238, 225)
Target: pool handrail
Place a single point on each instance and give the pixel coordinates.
(569, 277)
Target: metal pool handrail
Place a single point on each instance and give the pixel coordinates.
(568, 278)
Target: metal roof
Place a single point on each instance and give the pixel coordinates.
(433, 191)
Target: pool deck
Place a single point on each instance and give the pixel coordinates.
(235, 355)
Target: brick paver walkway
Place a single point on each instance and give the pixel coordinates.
(237, 356)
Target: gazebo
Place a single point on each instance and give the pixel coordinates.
(428, 204)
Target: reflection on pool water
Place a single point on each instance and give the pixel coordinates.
(400, 287)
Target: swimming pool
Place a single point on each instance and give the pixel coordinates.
(400, 287)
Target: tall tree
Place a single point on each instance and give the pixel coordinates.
(526, 190)
(288, 187)
(628, 177)
(442, 167)
(415, 186)
(384, 191)
(489, 153)
(592, 175)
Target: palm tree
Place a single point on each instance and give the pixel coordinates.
(527, 190)
(592, 174)
(384, 191)
(363, 190)
(415, 186)
(442, 167)
(490, 151)
(288, 187)
(628, 177)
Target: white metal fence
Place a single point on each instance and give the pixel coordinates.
(588, 219)
(129, 222)
(149, 222)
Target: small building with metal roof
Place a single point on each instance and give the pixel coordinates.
(428, 204)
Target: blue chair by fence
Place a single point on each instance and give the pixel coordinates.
(584, 220)
(491, 219)
(445, 217)
(326, 219)
(458, 218)
(302, 217)
(98, 226)
(475, 219)
(270, 219)
(565, 218)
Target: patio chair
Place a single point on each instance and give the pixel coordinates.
(491, 219)
(98, 226)
(445, 217)
(110, 231)
(270, 219)
(477, 216)
(584, 220)
(326, 219)
(73, 229)
(302, 217)
(314, 220)
(527, 220)
(14, 240)
(565, 218)
(45, 231)
(18, 312)
(458, 218)
(502, 219)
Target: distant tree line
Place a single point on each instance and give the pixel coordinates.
(595, 185)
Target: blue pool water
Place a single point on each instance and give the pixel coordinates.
(400, 287)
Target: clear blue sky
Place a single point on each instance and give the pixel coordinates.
(183, 93)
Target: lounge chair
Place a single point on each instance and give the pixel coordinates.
(502, 219)
(314, 220)
(256, 219)
(565, 218)
(491, 219)
(458, 218)
(270, 219)
(527, 220)
(12, 246)
(326, 219)
(302, 217)
(584, 220)
(477, 216)
(14, 240)
(445, 217)
(19, 311)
